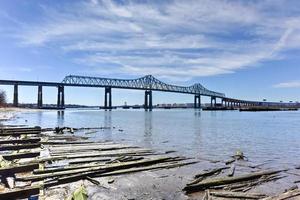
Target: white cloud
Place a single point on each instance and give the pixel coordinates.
(291, 84)
(171, 38)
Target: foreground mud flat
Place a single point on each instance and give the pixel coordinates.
(57, 163)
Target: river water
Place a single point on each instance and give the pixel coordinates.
(262, 136)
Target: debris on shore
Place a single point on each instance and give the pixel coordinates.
(221, 182)
(34, 162)
(35, 159)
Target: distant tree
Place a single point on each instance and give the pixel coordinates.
(2, 98)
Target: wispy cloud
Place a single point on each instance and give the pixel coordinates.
(290, 84)
(170, 39)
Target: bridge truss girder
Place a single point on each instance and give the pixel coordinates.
(146, 83)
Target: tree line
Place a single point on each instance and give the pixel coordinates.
(2, 98)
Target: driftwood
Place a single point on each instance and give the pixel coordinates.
(81, 161)
(20, 155)
(18, 168)
(22, 129)
(20, 133)
(55, 158)
(20, 141)
(59, 169)
(227, 162)
(87, 149)
(19, 146)
(49, 142)
(201, 176)
(227, 180)
(90, 154)
(231, 170)
(245, 186)
(210, 172)
(286, 195)
(138, 169)
(94, 181)
(237, 195)
(76, 177)
(101, 169)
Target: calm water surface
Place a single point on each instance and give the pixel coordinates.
(203, 134)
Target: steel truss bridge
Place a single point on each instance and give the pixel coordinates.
(147, 83)
(144, 83)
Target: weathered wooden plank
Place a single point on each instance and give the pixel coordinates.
(14, 129)
(18, 168)
(18, 147)
(76, 177)
(227, 180)
(20, 193)
(20, 141)
(287, 195)
(106, 168)
(237, 195)
(20, 133)
(20, 155)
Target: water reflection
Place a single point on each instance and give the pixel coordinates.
(198, 126)
(60, 118)
(148, 129)
(108, 125)
(39, 117)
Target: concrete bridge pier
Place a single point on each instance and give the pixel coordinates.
(148, 100)
(60, 97)
(197, 101)
(40, 97)
(16, 96)
(107, 94)
(213, 102)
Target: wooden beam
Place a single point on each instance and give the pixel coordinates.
(20, 146)
(20, 141)
(20, 155)
(20, 193)
(19, 168)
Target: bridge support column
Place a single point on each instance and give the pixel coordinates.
(148, 100)
(197, 101)
(40, 97)
(61, 97)
(16, 96)
(213, 102)
(107, 104)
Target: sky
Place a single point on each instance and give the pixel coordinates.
(245, 49)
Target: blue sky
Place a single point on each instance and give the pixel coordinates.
(246, 49)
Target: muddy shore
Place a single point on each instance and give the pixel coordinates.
(169, 183)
